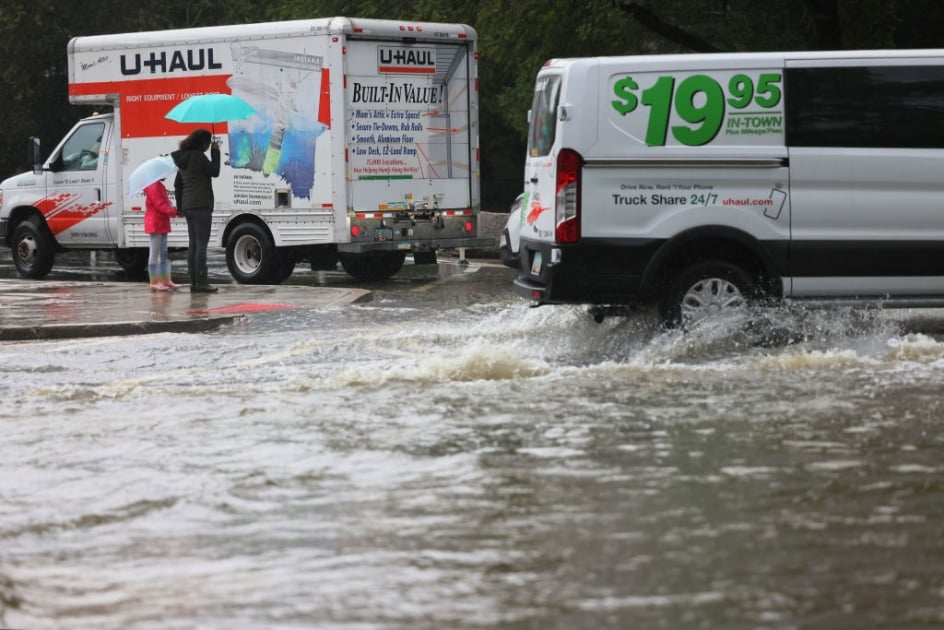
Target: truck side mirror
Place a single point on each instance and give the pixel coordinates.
(529, 116)
(35, 156)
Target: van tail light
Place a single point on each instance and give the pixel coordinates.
(567, 206)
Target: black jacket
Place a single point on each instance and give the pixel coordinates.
(192, 187)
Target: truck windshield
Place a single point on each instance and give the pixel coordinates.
(544, 115)
(80, 151)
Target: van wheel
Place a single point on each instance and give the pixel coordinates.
(251, 256)
(371, 266)
(704, 289)
(33, 249)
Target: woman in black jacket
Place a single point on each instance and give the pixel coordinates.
(194, 192)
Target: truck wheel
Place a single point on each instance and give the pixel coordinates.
(33, 249)
(704, 289)
(372, 266)
(323, 257)
(134, 261)
(285, 269)
(251, 255)
(424, 258)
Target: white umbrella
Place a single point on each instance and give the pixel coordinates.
(149, 172)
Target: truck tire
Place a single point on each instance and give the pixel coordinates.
(372, 266)
(132, 260)
(424, 258)
(706, 288)
(251, 255)
(285, 268)
(323, 257)
(33, 249)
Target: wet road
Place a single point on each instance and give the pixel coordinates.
(445, 457)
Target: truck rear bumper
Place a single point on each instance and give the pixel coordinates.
(417, 246)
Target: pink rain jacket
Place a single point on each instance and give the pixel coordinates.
(157, 209)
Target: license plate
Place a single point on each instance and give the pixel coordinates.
(536, 264)
(383, 234)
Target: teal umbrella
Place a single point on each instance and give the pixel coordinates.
(210, 108)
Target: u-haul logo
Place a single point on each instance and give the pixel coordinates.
(162, 62)
(406, 60)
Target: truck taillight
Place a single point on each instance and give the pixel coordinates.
(567, 206)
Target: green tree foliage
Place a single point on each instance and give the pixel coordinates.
(34, 35)
(515, 40)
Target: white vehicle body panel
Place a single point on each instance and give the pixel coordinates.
(672, 146)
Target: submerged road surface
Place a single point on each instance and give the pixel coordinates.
(445, 457)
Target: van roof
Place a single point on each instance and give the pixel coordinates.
(740, 59)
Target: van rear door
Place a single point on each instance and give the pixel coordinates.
(538, 208)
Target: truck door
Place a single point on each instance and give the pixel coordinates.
(77, 208)
(410, 123)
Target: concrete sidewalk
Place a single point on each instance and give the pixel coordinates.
(40, 309)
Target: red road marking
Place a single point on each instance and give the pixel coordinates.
(248, 307)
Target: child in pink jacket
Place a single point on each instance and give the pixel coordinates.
(157, 214)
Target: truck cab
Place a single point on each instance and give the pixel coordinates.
(69, 201)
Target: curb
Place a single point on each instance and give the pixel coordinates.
(112, 329)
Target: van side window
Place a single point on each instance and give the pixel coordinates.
(891, 107)
(80, 151)
(544, 116)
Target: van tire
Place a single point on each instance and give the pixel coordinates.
(33, 249)
(704, 288)
(251, 255)
(372, 266)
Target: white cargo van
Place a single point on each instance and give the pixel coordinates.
(704, 182)
(363, 146)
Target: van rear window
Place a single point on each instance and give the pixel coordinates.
(892, 107)
(544, 115)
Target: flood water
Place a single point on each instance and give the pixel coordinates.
(446, 457)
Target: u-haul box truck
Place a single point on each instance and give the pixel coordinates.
(363, 146)
(703, 182)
